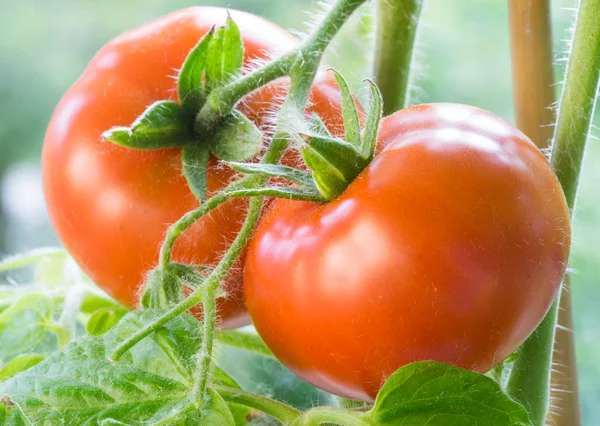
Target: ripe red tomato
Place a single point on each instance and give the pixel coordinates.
(111, 205)
(449, 246)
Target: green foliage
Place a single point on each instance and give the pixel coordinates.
(28, 326)
(432, 393)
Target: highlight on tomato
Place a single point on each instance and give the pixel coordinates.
(449, 246)
(111, 205)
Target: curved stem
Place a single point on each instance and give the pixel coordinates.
(191, 217)
(397, 22)
(275, 409)
(528, 382)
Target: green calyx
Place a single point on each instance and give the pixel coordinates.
(336, 163)
(215, 61)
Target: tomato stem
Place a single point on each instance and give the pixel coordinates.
(275, 409)
(530, 375)
(396, 31)
(221, 101)
(209, 303)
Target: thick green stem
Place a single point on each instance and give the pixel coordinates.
(530, 375)
(209, 302)
(277, 410)
(397, 22)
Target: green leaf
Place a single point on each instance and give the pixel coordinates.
(240, 413)
(20, 363)
(349, 113)
(80, 386)
(195, 167)
(433, 393)
(162, 125)
(372, 126)
(225, 55)
(31, 257)
(11, 414)
(250, 342)
(236, 139)
(28, 326)
(189, 83)
(216, 412)
(103, 320)
(94, 302)
(273, 170)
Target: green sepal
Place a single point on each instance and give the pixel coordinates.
(272, 170)
(162, 290)
(189, 84)
(236, 139)
(341, 155)
(329, 180)
(335, 164)
(225, 55)
(161, 125)
(194, 165)
(349, 112)
(372, 126)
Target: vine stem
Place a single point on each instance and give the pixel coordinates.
(302, 74)
(396, 31)
(209, 302)
(528, 381)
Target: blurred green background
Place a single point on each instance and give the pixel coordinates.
(462, 56)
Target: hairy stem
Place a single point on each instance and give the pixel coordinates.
(397, 22)
(209, 303)
(528, 382)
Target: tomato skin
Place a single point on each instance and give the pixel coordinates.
(450, 246)
(110, 205)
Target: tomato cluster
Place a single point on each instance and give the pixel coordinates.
(110, 205)
(449, 246)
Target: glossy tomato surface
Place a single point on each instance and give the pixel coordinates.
(449, 246)
(110, 205)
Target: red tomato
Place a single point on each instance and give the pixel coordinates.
(110, 205)
(449, 246)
